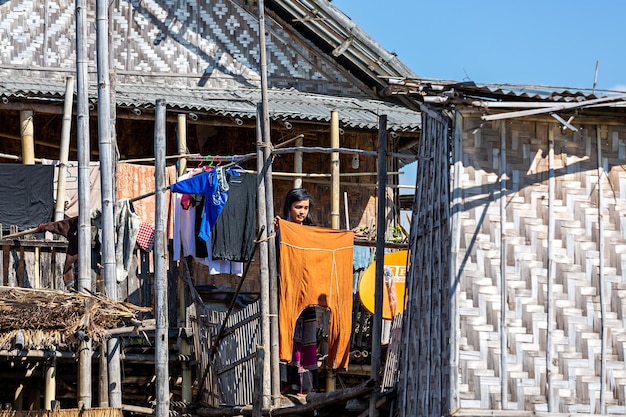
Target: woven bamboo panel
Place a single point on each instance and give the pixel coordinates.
(424, 368)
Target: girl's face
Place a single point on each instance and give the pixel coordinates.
(298, 211)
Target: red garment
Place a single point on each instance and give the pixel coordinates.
(69, 229)
(316, 269)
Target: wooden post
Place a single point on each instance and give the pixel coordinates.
(334, 170)
(28, 137)
(160, 273)
(381, 228)
(59, 207)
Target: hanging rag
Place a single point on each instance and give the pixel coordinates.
(316, 269)
(127, 224)
(67, 228)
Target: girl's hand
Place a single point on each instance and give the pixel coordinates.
(276, 219)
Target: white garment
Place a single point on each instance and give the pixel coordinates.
(184, 224)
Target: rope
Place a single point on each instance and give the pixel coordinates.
(270, 236)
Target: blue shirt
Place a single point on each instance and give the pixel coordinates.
(206, 184)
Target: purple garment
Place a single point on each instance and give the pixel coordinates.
(215, 198)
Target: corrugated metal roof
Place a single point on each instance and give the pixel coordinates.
(504, 92)
(534, 92)
(241, 102)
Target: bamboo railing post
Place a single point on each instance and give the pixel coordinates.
(160, 273)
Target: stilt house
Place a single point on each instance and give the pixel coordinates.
(327, 84)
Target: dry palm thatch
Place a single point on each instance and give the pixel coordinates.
(69, 412)
(51, 318)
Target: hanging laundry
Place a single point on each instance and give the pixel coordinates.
(127, 224)
(187, 243)
(71, 185)
(234, 231)
(316, 269)
(214, 198)
(136, 180)
(25, 195)
(67, 228)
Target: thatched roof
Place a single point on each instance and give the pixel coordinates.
(52, 318)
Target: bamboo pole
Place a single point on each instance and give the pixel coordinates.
(28, 137)
(108, 198)
(601, 283)
(455, 261)
(381, 226)
(334, 170)
(263, 259)
(182, 143)
(160, 273)
(185, 348)
(269, 214)
(50, 384)
(297, 164)
(503, 337)
(551, 273)
(257, 397)
(84, 204)
(18, 397)
(59, 208)
(331, 379)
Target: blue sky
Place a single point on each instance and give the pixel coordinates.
(541, 42)
(538, 42)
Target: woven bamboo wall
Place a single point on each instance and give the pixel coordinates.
(535, 321)
(424, 368)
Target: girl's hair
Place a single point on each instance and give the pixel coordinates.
(294, 195)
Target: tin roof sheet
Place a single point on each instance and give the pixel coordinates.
(241, 102)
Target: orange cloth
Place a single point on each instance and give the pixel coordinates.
(316, 269)
(135, 180)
